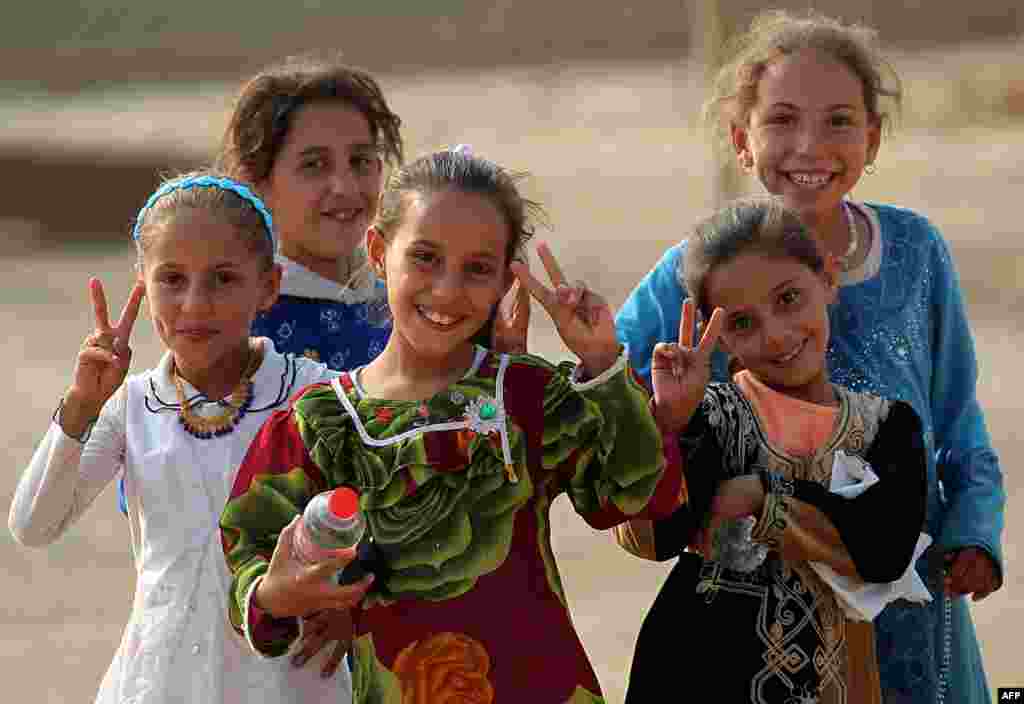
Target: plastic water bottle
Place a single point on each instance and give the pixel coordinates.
(331, 524)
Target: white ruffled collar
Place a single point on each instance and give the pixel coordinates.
(266, 381)
(298, 281)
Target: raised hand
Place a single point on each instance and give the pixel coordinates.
(512, 321)
(582, 317)
(291, 588)
(680, 373)
(103, 359)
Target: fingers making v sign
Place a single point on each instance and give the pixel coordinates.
(103, 359)
(681, 372)
(583, 318)
(512, 320)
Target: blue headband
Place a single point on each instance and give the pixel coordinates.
(225, 184)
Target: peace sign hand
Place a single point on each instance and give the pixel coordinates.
(512, 321)
(680, 373)
(583, 318)
(103, 360)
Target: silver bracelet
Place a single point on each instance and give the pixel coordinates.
(58, 418)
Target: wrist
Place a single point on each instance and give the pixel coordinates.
(77, 403)
(75, 418)
(668, 423)
(259, 597)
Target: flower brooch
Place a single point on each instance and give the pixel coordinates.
(485, 415)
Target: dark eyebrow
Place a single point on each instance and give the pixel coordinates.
(430, 244)
(830, 108)
(359, 148)
(784, 284)
(219, 265)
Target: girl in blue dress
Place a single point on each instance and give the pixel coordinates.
(803, 104)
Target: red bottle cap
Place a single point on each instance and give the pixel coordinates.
(343, 503)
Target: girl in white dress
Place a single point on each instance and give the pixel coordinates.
(177, 434)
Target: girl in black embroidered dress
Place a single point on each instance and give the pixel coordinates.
(759, 455)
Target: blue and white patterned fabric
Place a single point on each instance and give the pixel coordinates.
(318, 318)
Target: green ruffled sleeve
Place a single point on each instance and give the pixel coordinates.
(601, 438)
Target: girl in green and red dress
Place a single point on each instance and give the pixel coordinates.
(458, 453)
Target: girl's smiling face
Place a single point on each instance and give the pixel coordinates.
(445, 267)
(204, 287)
(809, 135)
(776, 321)
(324, 185)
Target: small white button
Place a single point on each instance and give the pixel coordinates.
(196, 648)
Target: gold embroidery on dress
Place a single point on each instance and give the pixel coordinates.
(793, 597)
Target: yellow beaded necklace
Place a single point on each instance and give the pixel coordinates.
(237, 402)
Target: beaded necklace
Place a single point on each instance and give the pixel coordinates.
(238, 403)
(851, 225)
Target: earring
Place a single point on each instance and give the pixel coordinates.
(870, 168)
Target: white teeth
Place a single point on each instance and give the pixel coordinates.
(809, 179)
(791, 356)
(343, 214)
(439, 318)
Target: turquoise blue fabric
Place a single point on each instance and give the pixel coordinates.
(901, 334)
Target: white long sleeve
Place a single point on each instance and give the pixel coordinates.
(178, 644)
(64, 477)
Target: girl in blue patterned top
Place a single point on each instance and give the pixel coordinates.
(314, 137)
(802, 101)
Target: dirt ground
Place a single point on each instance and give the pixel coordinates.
(622, 171)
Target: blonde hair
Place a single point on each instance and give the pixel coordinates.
(778, 33)
(207, 191)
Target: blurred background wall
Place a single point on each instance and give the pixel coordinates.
(599, 101)
(127, 53)
(70, 45)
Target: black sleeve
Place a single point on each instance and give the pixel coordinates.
(702, 466)
(880, 527)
